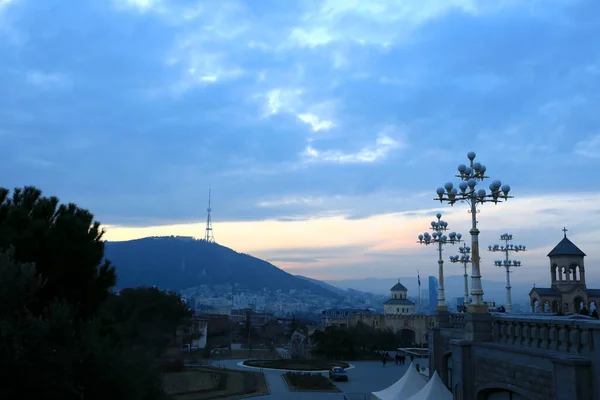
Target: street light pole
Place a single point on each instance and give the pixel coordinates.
(507, 263)
(464, 258)
(470, 176)
(439, 239)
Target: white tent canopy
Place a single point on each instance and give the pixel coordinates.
(411, 383)
(434, 390)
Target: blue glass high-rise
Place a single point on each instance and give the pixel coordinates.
(433, 294)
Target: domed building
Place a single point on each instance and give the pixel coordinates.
(568, 291)
(399, 304)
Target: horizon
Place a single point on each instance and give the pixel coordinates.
(322, 128)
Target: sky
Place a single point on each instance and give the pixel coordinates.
(323, 127)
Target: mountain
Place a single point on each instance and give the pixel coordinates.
(453, 285)
(327, 286)
(179, 262)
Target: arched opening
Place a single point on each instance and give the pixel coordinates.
(573, 272)
(555, 306)
(546, 306)
(578, 273)
(593, 309)
(501, 394)
(561, 274)
(553, 272)
(578, 304)
(406, 337)
(535, 305)
(447, 371)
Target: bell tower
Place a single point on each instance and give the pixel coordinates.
(567, 267)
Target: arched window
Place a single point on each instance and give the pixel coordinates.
(449, 372)
(502, 395)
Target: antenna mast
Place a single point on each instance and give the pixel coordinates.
(208, 235)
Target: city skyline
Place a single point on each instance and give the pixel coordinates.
(323, 128)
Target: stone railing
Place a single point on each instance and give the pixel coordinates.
(457, 320)
(411, 316)
(546, 333)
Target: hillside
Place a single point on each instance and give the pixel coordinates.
(178, 263)
(324, 285)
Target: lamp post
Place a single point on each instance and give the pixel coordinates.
(507, 263)
(464, 258)
(470, 176)
(439, 239)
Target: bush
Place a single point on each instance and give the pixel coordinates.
(172, 365)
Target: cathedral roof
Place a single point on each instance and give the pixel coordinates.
(399, 287)
(544, 291)
(566, 248)
(399, 302)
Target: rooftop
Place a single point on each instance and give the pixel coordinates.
(398, 287)
(566, 248)
(400, 302)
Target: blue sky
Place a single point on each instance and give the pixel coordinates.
(323, 127)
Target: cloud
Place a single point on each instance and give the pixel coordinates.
(139, 5)
(387, 243)
(589, 148)
(384, 144)
(290, 101)
(47, 80)
(304, 114)
(382, 23)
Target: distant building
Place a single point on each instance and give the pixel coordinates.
(568, 292)
(256, 318)
(194, 333)
(433, 294)
(399, 304)
(344, 312)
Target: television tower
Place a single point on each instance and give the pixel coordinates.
(208, 235)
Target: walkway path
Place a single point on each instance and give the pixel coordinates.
(366, 377)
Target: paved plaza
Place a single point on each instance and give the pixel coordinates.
(364, 378)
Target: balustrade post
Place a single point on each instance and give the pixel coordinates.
(563, 338)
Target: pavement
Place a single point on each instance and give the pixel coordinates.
(364, 378)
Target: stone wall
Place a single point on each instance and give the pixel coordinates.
(535, 383)
(482, 367)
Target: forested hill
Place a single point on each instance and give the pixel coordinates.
(177, 263)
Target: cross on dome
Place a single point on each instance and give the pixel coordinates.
(565, 231)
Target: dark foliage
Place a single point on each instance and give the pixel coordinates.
(352, 343)
(56, 355)
(62, 334)
(65, 244)
(145, 316)
(178, 264)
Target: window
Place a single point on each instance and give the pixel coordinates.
(449, 372)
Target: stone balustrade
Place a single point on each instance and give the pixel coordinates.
(549, 333)
(411, 316)
(457, 320)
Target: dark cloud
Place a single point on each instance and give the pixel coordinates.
(114, 109)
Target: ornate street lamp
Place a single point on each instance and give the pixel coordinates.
(439, 239)
(464, 258)
(507, 263)
(467, 192)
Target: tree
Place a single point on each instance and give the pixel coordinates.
(146, 316)
(293, 325)
(335, 343)
(55, 355)
(65, 245)
(62, 333)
